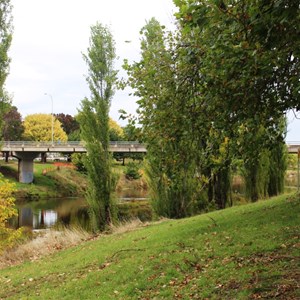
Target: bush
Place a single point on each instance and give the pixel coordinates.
(8, 236)
(77, 160)
(132, 171)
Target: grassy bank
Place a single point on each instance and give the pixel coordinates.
(245, 252)
(54, 180)
(50, 180)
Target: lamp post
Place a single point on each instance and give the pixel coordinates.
(298, 189)
(52, 127)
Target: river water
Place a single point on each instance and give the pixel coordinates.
(46, 213)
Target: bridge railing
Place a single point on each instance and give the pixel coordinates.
(292, 143)
(59, 143)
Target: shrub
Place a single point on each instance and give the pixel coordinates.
(132, 171)
(8, 236)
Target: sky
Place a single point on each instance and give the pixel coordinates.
(50, 37)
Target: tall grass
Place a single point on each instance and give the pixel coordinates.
(43, 244)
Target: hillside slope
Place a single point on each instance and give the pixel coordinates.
(245, 252)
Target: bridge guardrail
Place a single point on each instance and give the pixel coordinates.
(63, 144)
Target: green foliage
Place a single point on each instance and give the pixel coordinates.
(78, 162)
(264, 155)
(94, 125)
(74, 135)
(212, 92)
(278, 167)
(132, 171)
(184, 146)
(38, 127)
(292, 161)
(249, 55)
(5, 42)
(115, 131)
(163, 112)
(131, 131)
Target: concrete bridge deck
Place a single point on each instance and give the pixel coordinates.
(68, 147)
(79, 147)
(27, 151)
(293, 147)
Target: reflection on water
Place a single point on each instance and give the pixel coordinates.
(72, 212)
(47, 213)
(36, 219)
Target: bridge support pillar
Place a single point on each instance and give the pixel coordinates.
(25, 165)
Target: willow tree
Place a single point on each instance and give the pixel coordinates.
(94, 124)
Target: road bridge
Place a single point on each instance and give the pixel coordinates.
(293, 147)
(27, 151)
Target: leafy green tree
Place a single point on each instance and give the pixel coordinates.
(78, 162)
(38, 127)
(7, 236)
(166, 112)
(249, 56)
(5, 42)
(12, 125)
(263, 151)
(94, 124)
(74, 135)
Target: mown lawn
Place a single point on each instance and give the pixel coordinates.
(245, 252)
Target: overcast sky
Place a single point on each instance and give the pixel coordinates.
(50, 37)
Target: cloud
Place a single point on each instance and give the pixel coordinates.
(50, 37)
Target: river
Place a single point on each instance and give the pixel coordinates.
(47, 213)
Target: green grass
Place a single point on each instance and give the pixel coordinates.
(56, 183)
(245, 252)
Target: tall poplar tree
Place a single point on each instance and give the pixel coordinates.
(94, 124)
(172, 129)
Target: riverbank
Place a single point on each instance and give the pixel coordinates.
(51, 180)
(60, 180)
(245, 252)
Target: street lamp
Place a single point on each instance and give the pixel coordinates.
(52, 127)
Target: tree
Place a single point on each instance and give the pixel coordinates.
(8, 236)
(69, 123)
(12, 125)
(94, 124)
(250, 57)
(248, 60)
(116, 132)
(5, 42)
(38, 127)
(166, 113)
